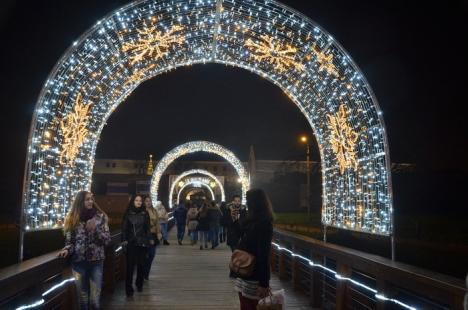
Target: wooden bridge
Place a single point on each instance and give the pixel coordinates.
(314, 274)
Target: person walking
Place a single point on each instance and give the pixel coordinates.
(155, 232)
(180, 216)
(192, 223)
(236, 215)
(256, 236)
(163, 219)
(214, 216)
(136, 237)
(223, 222)
(203, 226)
(86, 235)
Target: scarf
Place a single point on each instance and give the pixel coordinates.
(87, 214)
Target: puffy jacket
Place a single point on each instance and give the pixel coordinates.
(136, 228)
(180, 214)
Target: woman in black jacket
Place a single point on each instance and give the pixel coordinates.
(136, 237)
(257, 233)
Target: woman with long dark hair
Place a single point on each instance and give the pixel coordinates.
(86, 234)
(136, 237)
(155, 232)
(256, 236)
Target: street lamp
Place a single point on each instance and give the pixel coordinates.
(304, 139)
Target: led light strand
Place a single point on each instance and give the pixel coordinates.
(195, 183)
(41, 301)
(147, 38)
(343, 278)
(195, 171)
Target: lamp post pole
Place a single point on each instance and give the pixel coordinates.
(305, 140)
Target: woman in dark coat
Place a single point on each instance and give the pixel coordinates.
(136, 237)
(256, 236)
(203, 226)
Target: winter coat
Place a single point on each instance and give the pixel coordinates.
(136, 227)
(256, 239)
(192, 218)
(162, 213)
(180, 215)
(234, 225)
(84, 245)
(154, 221)
(214, 216)
(203, 220)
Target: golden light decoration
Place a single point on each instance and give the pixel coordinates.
(343, 139)
(139, 75)
(325, 61)
(74, 131)
(153, 43)
(281, 56)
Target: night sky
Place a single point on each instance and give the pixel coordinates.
(412, 56)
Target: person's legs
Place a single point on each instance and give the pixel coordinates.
(206, 236)
(95, 283)
(149, 260)
(180, 232)
(82, 283)
(247, 303)
(221, 234)
(142, 253)
(131, 255)
(164, 233)
(216, 236)
(200, 238)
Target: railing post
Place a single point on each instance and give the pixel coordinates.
(316, 283)
(342, 286)
(295, 270)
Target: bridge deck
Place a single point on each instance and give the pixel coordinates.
(185, 277)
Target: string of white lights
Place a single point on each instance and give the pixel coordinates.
(343, 278)
(195, 171)
(195, 147)
(41, 301)
(150, 37)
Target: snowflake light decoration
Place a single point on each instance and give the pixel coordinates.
(74, 131)
(325, 61)
(281, 56)
(153, 43)
(343, 139)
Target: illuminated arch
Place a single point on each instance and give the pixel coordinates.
(195, 171)
(195, 147)
(195, 183)
(149, 37)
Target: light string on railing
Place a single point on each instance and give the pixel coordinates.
(41, 301)
(343, 278)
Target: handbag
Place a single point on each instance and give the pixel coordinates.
(192, 225)
(242, 263)
(274, 301)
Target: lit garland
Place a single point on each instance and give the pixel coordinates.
(195, 147)
(343, 139)
(196, 182)
(148, 37)
(195, 171)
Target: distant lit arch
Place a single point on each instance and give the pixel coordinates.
(196, 171)
(195, 183)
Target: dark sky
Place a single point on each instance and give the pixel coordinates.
(412, 56)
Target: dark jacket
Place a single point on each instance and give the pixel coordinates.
(214, 216)
(234, 226)
(256, 239)
(180, 215)
(136, 227)
(225, 213)
(203, 220)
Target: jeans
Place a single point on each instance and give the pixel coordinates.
(149, 260)
(180, 231)
(193, 235)
(136, 256)
(222, 233)
(163, 230)
(214, 236)
(88, 283)
(203, 237)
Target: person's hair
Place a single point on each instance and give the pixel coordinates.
(259, 205)
(144, 198)
(131, 203)
(236, 196)
(73, 216)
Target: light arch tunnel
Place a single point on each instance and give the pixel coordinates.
(194, 172)
(195, 183)
(148, 37)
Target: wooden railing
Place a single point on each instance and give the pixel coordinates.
(409, 285)
(25, 283)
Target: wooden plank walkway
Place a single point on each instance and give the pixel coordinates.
(185, 277)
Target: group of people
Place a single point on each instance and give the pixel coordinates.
(144, 227)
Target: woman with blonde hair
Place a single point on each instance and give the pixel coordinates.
(86, 234)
